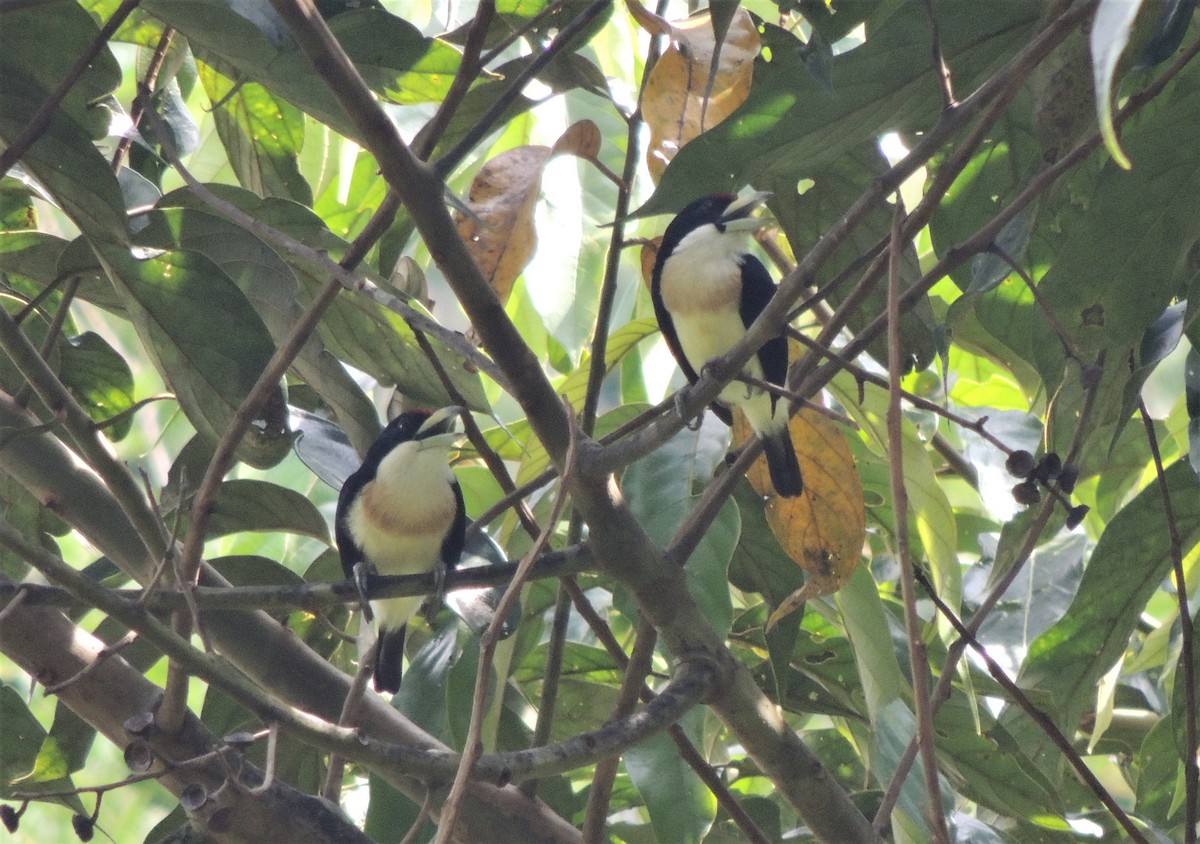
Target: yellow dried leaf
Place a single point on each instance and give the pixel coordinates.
(823, 528)
(582, 140)
(674, 102)
(501, 235)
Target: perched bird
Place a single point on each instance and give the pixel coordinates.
(401, 512)
(707, 290)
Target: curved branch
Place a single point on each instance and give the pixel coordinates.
(48, 646)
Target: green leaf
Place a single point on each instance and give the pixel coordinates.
(32, 254)
(989, 767)
(245, 504)
(1127, 566)
(394, 58)
(422, 695)
(64, 161)
(269, 283)
(789, 126)
(203, 335)
(100, 380)
(71, 738)
(26, 64)
(1123, 262)
(658, 489)
(1173, 24)
(759, 564)
(23, 767)
(391, 814)
(1159, 774)
(892, 729)
(1109, 35)
(930, 515)
(866, 622)
(16, 206)
(620, 343)
(681, 808)
(262, 133)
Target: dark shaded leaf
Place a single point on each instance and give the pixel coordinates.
(681, 808)
(1127, 566)
(100, 380)
(245, 504)
(204, 337)
(1173, 22)
(27, 64)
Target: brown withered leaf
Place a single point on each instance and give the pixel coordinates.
(823, 528)
(501, 236)
(582, 140)
(674, 101)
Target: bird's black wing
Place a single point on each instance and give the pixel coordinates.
(456, 538)
(757, 290)
(349, 549)
(667, 326)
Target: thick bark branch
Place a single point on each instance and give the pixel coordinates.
(50, 648)
(264, 650)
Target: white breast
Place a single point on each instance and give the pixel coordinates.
(702, 289)
(403, 534)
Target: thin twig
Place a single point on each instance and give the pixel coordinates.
(556, 648)
(939, 59)
(469, 65)
(473, 744)
(332, 789)
(605, 773)
(1069, 345)
(485, 124)
(410, 837)
(1018, 696)
(53, 332)
(941, 693)
(800, 401)
(916, 646)
(15, 602)
(475, 436)
(103, 654)
(1191, 774)
(141, 101)
(169, 767)
(272, 755)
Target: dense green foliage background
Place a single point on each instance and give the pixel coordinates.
(151, 269)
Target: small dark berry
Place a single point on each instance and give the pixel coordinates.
(1075, 516)
(1067, 478)
(1049, 466)
(1026, 493)
(1019, 464)
(84, 826)
(193, 797)
(10, 817)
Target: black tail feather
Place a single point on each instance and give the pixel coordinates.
(389, 658)
(782, 464)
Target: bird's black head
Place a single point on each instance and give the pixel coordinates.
(411, 425)
(723, 211)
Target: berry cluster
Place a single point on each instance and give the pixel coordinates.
(1049, 472)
